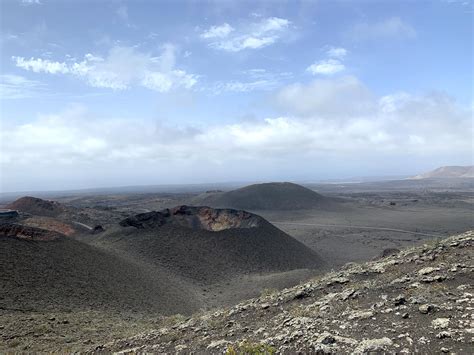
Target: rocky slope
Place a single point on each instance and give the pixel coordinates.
(17, 231)
(419, 300)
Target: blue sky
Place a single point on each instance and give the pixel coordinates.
(108, 93)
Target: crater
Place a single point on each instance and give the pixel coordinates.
(204, 218)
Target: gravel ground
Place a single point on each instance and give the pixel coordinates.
(419, 300)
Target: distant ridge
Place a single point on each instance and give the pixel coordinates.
(267, 196)
(448, 172)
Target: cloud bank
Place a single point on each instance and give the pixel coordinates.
(334, 119)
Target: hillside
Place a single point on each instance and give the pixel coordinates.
(268, 196)
(37, 206)
(173, 261)
(418, 300)
(208, 245)
(61, 217)
(45, 270)
(61, 292)
(445, 172)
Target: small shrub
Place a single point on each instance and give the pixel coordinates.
(267, 292)
(247, 348)
(173, 320)
(301, 311)
(433, 243)
(14, 343)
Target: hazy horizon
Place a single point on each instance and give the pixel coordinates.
(124, 93)
(217, 184)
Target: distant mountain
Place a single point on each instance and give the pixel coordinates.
(267, 196)
(448, 172)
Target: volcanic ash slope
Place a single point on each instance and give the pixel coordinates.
(42, 270)
(268, 196)
(207, 245)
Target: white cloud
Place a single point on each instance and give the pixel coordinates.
(333, 99)
(326, 67)
(253, 35)
(31, 2)
(393, 27)
(273, 24)
(255, 42)
(122, 68)
(221, 31)
(332, 65)
(252, 80)
(242, 86)
(337, 52)
(41, 65)
(355, 119)
(18, 87)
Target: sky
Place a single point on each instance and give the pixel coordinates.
(119, 93)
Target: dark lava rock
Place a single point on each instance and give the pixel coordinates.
(97, 229)
(389, 252)
(399, 300)
(143, 220)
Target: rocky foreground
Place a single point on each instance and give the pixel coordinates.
(419, 300)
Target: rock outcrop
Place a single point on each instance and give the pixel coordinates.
(11, 230)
